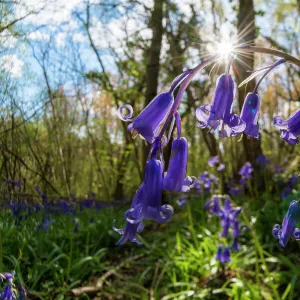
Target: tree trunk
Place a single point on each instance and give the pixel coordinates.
(246, 33)
(153, 62)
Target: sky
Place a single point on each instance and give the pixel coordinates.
(57, 24)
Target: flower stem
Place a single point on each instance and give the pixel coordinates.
(256, 49)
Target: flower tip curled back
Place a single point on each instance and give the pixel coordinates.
(129, 233)
(148, 122)
(288, 225)
(290, 128)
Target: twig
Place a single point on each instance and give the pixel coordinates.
(99, 283)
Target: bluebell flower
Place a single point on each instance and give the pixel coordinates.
(223, 255)
(290, 128)
(220, 110)
(234, 190)
(182, 201)
(249, 115)
(226, 256)
(213, 205)
(174, 179)
(235, 245)
(261, 159)
(148, 122)
(221, 167)
(288, 225)
(129, 233)
(213, 160)
(246, 172)
(219, 253)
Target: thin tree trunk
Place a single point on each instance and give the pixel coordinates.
(153, 63)
(246, 33)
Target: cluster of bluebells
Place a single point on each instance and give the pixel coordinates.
(228, 216)
(215, 161)
(288, 228)
(150, 125)
(10, 292)
(47, 207)
(205, 182)
(162, 113)
(246, 173)
(218, 115)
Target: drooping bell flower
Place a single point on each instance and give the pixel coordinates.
(213, 160)
(148, 122)
(235, 245)
(246, 172)
(221, 167)
(249, 115)
(290, 128)
(220, 110)
(213, 205)
(261, 159)
(129, 233)
(288, 225)
(219, 253)
(226, 256)
(174, 179)
(152, 194)
(182, 201)
(133, 219)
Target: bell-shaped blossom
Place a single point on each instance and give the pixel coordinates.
(228, 216)
(249, 115)
(221, 167)
(246, 172)
(288, 225)
(129, 233)
(226, 256)
(261, 159)
(147, 203)
(290, 128)
(148, 122)
(223, 255)
(235, 245)
(219, 253)
(220, 110)
(182, 201)
(213, 160)
(213, 206)
(174, 179)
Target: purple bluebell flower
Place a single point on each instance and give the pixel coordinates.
(223, 255)
(213, 160)
(219, 253)
(220, 110)
(235, 245)
(226, 256)
(174, 179)
(129, 233)
(213, 205)
(249, 115)
(148, 122)
(261, 159)
(290, 128)
(221, 167)
(182, 201)
(234, 190)
(288, 225)
(152, 193)
(9, 292)
(246, 172)
(278, 169)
